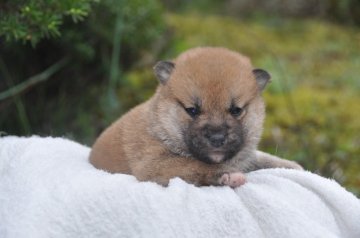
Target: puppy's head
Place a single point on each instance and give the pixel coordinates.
(208, 104)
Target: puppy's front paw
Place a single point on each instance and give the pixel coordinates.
(232, 179)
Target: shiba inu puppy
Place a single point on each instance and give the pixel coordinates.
(203, 124)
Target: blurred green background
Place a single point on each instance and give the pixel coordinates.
(69, 68)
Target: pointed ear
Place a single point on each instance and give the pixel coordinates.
(262, 78)
(163, 70)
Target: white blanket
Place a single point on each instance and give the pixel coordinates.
(48, 189)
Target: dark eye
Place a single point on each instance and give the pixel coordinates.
(236, 111)
(192, 111)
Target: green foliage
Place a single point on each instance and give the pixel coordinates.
(33, 20)
(89, 47)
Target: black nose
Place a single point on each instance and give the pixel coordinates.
(216, 135)
(217, 139)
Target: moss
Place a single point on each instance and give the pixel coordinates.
(318, 128)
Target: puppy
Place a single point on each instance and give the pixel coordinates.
(203, 124)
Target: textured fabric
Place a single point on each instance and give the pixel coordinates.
(49, 189)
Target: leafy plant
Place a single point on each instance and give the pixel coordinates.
(33, 20)
(99, 49)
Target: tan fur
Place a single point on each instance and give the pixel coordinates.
(148, 142)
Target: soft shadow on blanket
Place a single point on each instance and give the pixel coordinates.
(48, 189)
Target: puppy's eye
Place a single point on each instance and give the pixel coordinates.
(192, 111)
(236, 111)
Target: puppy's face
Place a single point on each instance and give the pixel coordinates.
(209, 103)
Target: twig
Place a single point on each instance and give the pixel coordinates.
(20, 108)
(110, 98)
(43, 76)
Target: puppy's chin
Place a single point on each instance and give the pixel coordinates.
(216, 157)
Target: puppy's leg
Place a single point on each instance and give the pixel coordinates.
(161, 170)
(264, 160)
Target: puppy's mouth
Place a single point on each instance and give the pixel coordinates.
(213, 156)
(202, 151)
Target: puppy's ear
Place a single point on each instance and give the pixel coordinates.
(262, 78)
(163, 70)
